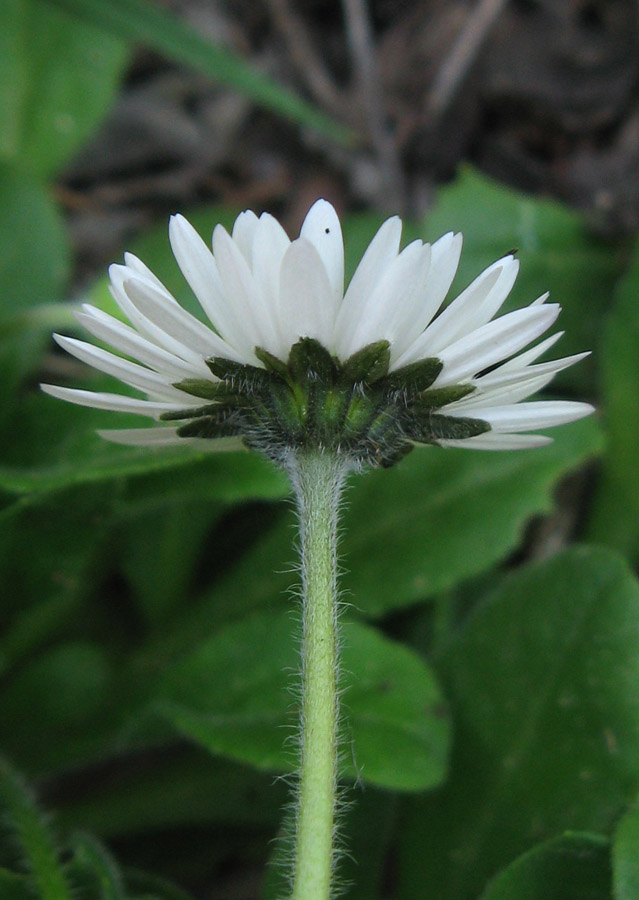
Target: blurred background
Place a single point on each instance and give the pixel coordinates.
(140, 591)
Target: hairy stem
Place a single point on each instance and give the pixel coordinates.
(318, 479)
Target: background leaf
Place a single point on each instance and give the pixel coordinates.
(34, 265)
(569, 867)
(63, 73)
(557, 253)
(625, 856)
(423, 526)
(23, 818)
(241, 706)
(147, 23)
(543, 685)
(615, 516)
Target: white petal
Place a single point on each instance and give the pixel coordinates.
(125, 339)
(498, 396)
(137, 267)
(270, 243)
(305, 295)
(385, 306)
(381, 252)
(475, 306)
(405, 312)
(244, 233)
(445, 255)
(494, 341)
(165, 436)
(521, 361)
(112, 402)
(200, 270)
(130, 373)
(492, 441)
(322, 228)
(173, 320)
(539, 414)
(239, 286)
(120, 274)
(505, 376)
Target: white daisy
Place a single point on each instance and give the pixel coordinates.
(290, 359)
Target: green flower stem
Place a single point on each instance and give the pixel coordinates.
(318, 479)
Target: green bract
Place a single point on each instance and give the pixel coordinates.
(314, 401)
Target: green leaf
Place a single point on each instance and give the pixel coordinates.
(153, 886)
(63, 74)
(23, 817)
(442, 516)
(47, 586)
(169, 787)
(437, 518)
(615, 516)
(148, 23)
(66, 691)
(15, 887)
(94, 870)
(394, 725)
(34, 265)
(53, 446)
(570, 867)
(625, 857)
(543, 685)
(557, 253)
(160, 548)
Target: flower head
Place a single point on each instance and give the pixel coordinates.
(290, 360)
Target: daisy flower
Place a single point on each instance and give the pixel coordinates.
(290, 359)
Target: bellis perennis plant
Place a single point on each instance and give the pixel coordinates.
(322, 381)
(290, 360)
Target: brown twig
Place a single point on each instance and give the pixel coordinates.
(360, 37)
(306, 60)
(462, 55)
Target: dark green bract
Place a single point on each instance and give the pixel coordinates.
(356, 408)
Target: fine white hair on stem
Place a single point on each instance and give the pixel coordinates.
(318, 487)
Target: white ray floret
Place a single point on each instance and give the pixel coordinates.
(259, 289)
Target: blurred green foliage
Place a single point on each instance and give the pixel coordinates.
(148, 634)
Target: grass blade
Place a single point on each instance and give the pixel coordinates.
(143, 22)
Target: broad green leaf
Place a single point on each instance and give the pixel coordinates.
(159, 551)
(14, 887)
(34, 264)
(438, 517)
(625, 857)
(543, 685)
(24, 820)
(615, 517)
(169, 787)
(54, 446)
(570, 867)
(67, 692)
(147, 23)
(237, 702)
(63, 74)
(143, 885)
(556, 251)
(445, 515)
(48, 585)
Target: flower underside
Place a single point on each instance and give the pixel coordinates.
(285, 356)
(355, 408)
